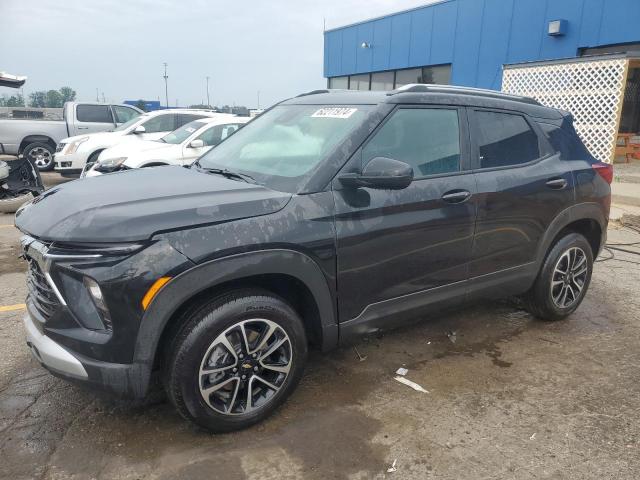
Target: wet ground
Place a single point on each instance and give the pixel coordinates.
(509, 398)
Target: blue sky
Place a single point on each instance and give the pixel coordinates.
(119, 46)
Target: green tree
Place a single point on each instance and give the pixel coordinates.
(142, 105)
(68, 94)
(38, 99)
(15, 101)
(54, 99)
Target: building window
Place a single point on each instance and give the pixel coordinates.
(382, 81)
(440, 75)
(359, 82)
(339, 82)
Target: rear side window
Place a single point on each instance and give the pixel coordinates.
(566, 141)
(505, 139)
(428, 139)
(94, 114)
(160, 123)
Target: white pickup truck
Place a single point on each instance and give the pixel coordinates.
(37, 138)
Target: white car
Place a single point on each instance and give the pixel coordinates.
(180, 147)
(74, 153)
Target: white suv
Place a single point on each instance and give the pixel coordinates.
(180, 147)
(74, 153)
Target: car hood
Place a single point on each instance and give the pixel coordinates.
(135, 149)
(134, 205)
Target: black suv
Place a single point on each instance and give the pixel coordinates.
(334, 214)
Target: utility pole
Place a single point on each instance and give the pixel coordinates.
(97, 96)
(103, 100)
(166, 88)
(208, 101)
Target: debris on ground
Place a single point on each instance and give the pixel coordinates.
(360, 357)
(452, 336)
(402, 371)
(532, 437)
(392, 468)
(409, 383)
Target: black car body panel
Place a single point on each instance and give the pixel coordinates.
(137, 203)
(353, 260)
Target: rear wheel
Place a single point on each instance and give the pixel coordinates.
(40, 154)
(236, 359)
(563, 280)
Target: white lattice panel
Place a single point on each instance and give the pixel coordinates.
(590, 90)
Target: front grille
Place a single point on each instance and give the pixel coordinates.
(44, 298)
(60, 146)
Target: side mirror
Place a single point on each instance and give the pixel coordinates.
(197, 143)
(139, 129)
(381, 173)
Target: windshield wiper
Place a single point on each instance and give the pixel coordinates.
(225, 172)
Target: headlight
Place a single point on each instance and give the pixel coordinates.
(109, 164)
(73, 146)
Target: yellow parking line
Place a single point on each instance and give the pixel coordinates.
(11, 308)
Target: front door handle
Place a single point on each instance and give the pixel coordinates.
(456, 196)
(557, 183)
(83, 128)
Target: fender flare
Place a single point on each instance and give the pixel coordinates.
(580, 211)
(235, 267)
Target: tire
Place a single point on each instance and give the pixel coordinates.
(204, 343)
(11, 205)
(40, 154)
(547, 301)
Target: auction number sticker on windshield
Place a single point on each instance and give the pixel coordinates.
(334, 112)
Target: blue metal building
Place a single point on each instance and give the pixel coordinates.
(466, 42)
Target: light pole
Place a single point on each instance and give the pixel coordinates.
(166, 88)
(208, 101)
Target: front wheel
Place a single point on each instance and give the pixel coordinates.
(40, 154)
(563, 280)
(236, 359)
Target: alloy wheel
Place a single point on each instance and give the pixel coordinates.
(569, 277)
(245, 366)
(41, 157)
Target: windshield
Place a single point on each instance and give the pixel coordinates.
(131, 122)
(184, 132)
(285, 144)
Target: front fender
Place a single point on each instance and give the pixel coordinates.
(215, 272)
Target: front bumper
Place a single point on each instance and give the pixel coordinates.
(125, 380)
(72, 161)
(52, 355)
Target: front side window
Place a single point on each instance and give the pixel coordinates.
(130, 123)
(428, 139)
(94, 114)
(505, 139)
(281, 147)
(181, 134)
(124, 114)
(160, 123)
(214, 135)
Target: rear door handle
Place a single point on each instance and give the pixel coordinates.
(456, 196)
(83, 128)
(557, 183)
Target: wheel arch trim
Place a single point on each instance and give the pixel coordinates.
(235, 267)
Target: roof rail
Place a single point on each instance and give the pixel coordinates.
(313, 92)
(480, 92)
